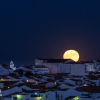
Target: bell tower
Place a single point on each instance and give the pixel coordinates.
(11, 64)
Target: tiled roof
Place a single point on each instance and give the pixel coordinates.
(12, 94)
(42, 91)
(40, 67)
(34, 96)
(33, 86)
(27, 91)
(70, 97)
(28, 67)
(70, 84)
(76, 80)
(56, 60)
(89, 89)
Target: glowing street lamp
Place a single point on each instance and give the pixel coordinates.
(76, 98)
(19, 96)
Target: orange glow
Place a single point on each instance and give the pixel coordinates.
(71, 54)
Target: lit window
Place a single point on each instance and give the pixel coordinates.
(27, 80)
(0, 94)
(19, 96)
(84, 84)
(35, 93)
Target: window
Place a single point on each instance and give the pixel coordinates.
(84, 94)
(76, 83)
(56, 95)
(85, 68)
(46, 96)
(35, 93)
(14, 98)
(61, 95)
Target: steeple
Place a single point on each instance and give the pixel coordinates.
(11, 64)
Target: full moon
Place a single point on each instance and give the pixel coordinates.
(71, 54)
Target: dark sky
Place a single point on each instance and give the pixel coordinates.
(47, 28)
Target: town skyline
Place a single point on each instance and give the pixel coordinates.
(61, 79)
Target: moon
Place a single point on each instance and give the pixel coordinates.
(71, 54)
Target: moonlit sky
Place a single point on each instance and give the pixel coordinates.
(47, 28)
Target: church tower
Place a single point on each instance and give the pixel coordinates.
(11, 64)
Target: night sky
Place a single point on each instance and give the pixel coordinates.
(47, 28)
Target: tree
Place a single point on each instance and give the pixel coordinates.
(20, 71)
(12, 74)
(28, 74)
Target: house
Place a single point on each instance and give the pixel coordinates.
(9, 90)
(47, 95)
(73, 98)
(67, 86)
(41, 70)
(59, 66)
(50, 84)
(5, 70)
(62, 94)
(20, 96)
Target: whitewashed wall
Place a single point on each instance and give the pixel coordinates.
(78, 69)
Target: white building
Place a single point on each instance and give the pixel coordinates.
(41, 70)
(5, 70)
(58, 66)
(47, 95)
(11, 90)
(62, 94)
(42, 95)
(12, 65)
(90, 66)
(77, 69)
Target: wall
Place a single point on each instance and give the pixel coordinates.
(71, 92)
(52, 67)
(50, 84)
(63, 86)
(21, 97)
(78, 69)
(58, 67)
(90, 67)
(10, 91)
(39, 62)
(1, 85)
(66, 68)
